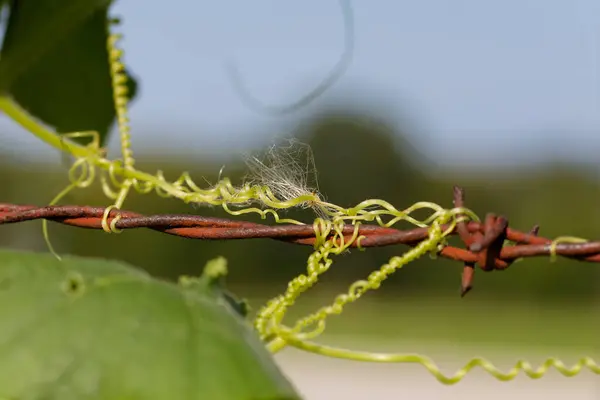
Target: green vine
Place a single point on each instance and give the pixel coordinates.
(118, 177)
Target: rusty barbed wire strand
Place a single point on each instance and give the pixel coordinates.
(484, 242)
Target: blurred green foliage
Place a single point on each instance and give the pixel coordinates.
(370, 160)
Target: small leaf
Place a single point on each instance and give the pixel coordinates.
(54, 63)
(96, 329)
(212, 282)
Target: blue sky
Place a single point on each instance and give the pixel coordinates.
(520, 75)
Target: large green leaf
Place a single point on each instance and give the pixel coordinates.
(96, 329)
(54, 63)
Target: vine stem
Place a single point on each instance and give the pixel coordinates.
(20, 116)
(318, 263)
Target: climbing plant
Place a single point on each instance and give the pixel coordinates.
(63, 79)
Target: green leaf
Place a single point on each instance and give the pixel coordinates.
(97, 329)
(54, 63)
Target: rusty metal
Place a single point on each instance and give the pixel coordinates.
(484, 242)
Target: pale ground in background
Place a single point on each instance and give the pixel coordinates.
(322, 378)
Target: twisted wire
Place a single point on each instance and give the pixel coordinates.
(477, 236)
(210, 228)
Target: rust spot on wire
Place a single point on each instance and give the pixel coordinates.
(484, 243)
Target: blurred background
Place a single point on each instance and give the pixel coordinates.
(500, 97)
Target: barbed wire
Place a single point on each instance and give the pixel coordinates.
(485, 242)
(479, 237)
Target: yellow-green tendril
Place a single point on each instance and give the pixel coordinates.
(430, 365)
(120, 97)
(563, 239)
(256, 199)
(81, 175)
(268, 321)
(278, 336)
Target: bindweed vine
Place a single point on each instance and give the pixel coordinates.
(280, 182)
